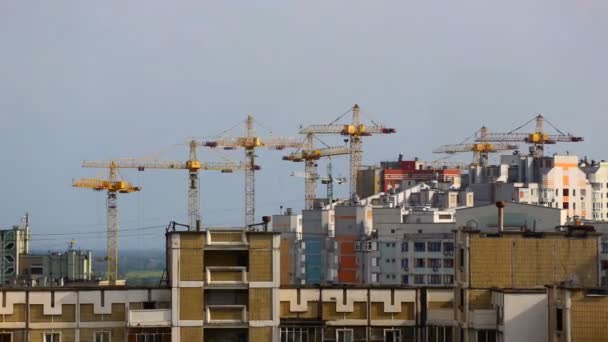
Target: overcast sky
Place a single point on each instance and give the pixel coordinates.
(95, 80)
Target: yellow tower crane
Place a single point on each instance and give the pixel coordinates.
(250, 142)
(192, 165)
(310, 155)
(113, 186)
(538, 139)
(355, 130)
(481, 148)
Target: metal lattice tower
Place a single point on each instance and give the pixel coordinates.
(113, 186)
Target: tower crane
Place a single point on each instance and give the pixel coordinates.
(328, 180)
(193, 165)
(113, 186)
(309, 155)
(355, 130)
(481, 148)
(538, 139)
(250, 142)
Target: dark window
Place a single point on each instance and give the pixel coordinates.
(448, 246)
(36, 269)
(405, 279)
(404, 246)
(419, 247)
(566, 192)
(405, 263)
(434, 246)
(149, 305)
(448, 263)
(462, 257)
(5, 337)
(566, 205)
(435, 279)
(448, 279)
(435, 263)
(462, 299)
(486, 336)
(419, 279)
(559, 317)
(419, 263)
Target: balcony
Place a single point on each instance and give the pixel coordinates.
(150, 318)
(222, 238)
(226, 314)
(226, 275)
(483, 319)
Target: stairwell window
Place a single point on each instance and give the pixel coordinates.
(344, 335)
(102, 336)
(392, 335)
(52, 337)
(6, 337)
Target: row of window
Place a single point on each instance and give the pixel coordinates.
(433, 334)
(419, 279)
(421, 246)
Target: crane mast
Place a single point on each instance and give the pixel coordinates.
(355, 131)
(250, 142)
(113, 186)
(310, 156)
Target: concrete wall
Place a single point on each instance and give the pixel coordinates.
(525, 317)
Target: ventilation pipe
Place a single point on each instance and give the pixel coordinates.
(501, 215)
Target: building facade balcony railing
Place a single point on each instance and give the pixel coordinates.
(226, 238)
(226, 314)
(226, 275)
(149, 318)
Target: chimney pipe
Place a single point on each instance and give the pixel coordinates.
(501, 215)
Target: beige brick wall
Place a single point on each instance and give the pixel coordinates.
(87, 314)
(190, 303)
(37, 314)
(191, 334)
(589, 318)
(260, 265)
(311, 312)
(17, 316)
(517, 262)
(191, 264)
(260, 304)
(260, 334)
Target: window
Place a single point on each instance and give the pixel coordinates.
(419, 279)
(344, 335)
(448, 279)
(102, 336)
(461, 257)
(419, 263)
(404, 246)
(574, 206)
(374, 262)
(149, 305)
(559, 320)
(448, 246)
(392, 335)
(419, 247)
(149, 337)
(295, 334)
(434, 246)
(374, 277)
(566, 205)
(573, 192)
(448, 263)
(435, 279)
(36, 269)
(52, 337)
(566, 192)
(357, 245)
(439, 334)
(405, 279)
(486, 336)
(435, 263)
(405, 264)
(6, 337)
(445, 216)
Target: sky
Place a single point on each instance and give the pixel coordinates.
(99, 80)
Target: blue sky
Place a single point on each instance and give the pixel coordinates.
(82, 80)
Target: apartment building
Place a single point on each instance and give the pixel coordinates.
(597, 173)
(224, 285)
(379, 314)
(496, 271)
(577, 314)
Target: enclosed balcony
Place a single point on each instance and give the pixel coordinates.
(150, 318)
(226, 314)
(226, 275)
(226, 239)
